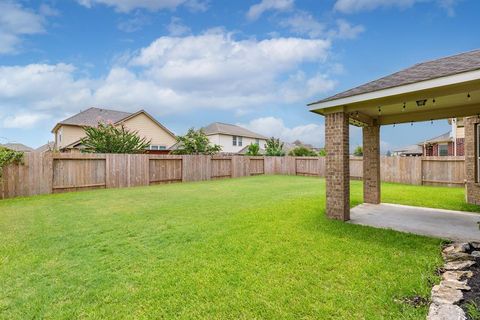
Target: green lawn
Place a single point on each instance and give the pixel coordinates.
(256, 247)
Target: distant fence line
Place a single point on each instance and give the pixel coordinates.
(45, 173)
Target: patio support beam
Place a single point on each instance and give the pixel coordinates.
(337, 165)
(371, 164)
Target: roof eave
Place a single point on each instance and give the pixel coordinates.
(322, 106)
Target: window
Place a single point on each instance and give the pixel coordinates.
(240, 141)
(443, 150)
(234, 141)
(257, 141)
(156, 147)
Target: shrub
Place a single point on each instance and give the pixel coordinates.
(196, 142)
(322, 152)
(274, 147)
(358, 151)
(253, 150)
(302, 151)
(8, 157)
(108, 138)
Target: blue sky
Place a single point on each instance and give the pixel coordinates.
(192, 62)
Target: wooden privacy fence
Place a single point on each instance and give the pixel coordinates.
(45, 173)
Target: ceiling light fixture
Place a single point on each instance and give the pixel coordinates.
(421, 103)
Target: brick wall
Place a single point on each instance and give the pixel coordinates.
(472, 186)
(337, 166)
(460, 147)
(371, 164)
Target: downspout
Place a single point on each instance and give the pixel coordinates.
(454, 135)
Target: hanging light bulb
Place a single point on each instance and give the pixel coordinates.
(469, 97)
(379, 110)
(404, 106)
(411, 123)
(434, 101)
(431, 121)
(394, 125)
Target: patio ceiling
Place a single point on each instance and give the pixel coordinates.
(454, 95)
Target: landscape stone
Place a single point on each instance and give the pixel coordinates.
(476, 254)
(458, 265)
(457, 256)
(446, 295)
(475, 245)
(456, 275)
(455, 284)
(445, 312)
(456, 247)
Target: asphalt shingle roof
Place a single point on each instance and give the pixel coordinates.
(230, 129)
(17, 147)
(429, 70)
(92, 116)
(441, 138)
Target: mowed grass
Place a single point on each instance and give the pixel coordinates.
(258, 247)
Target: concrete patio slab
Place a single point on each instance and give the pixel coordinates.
(439, 223)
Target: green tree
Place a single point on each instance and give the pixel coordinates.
(302, 151)
(389, 153)
(8, 157)
(108, 138)
(195, 142)
(322, 152)
(253, 150)
(358, 151)
(274, 147)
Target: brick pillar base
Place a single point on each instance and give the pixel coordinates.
(337, 166)
(470, 146)
(371, 164)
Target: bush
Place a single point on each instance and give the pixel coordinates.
(8, 157)
(322, 152)
(108, 138)
(253, 150)
(302, 151)
(358, 151)
(196, 142)
(274, 147)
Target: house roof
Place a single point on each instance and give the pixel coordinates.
(17, 147)
(459, 63)
(92, 116)
(230, 129)
(412, 149)
(446, 137)
(46, 147)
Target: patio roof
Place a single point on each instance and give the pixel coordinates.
(437, 89)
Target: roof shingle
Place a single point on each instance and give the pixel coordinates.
(92, 116)
(464, 62)
(230, 129)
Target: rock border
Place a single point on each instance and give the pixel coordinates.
(449, 293)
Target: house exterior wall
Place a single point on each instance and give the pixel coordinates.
(149, 129)
(226, 142)
(66, 135)
(471, 158)
(433, 150)
(141, 123)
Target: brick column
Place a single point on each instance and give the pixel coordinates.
(371, 164)
(470, 146)
(337, 166)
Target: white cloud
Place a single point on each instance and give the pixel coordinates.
(23, 120)
(151, 5)
(304, 23)
(275, 127)
(258, 9)
(177, 28)
(15, 22)
(352, 6)
(177, 74)
(134, 23)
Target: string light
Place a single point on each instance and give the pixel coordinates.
(404, 106)
(379, 110)
(434, 101)
(394, 125)
(469, 97)
(411, 124)
(431, 121)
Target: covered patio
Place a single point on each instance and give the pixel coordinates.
(433, 90)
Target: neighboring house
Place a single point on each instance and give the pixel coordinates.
(448, 144)
(49, 146)
(408, 151)
(232, 138)
(17, 147)
(69, 132)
